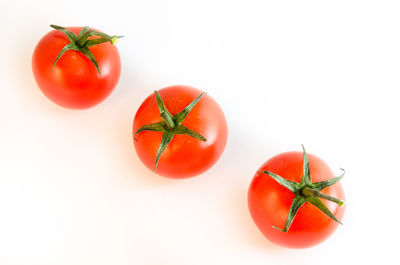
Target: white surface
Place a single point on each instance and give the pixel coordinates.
(321, 73)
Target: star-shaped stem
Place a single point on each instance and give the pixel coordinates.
(306, 191)
(82, 43)
(170, 125)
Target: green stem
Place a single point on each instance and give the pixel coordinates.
(167, 119)
(309, 192)
(101, 34)
(81, 42)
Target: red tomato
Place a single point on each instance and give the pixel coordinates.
(184, 156)
(269, 202)
(74, 82)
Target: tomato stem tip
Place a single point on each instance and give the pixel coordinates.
(167, 119)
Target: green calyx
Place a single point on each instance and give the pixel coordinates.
(306, 191)
(81, 42)
(171, 125)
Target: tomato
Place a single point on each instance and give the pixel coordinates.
(174, 147)
(315, 210)
(84, 74)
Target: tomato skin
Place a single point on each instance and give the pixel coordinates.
(269, 202)
(74, 82)
(185, 156)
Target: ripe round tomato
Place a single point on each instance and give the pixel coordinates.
(74, 82)
(270, 202)
(184, 155)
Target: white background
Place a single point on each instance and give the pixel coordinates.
(321, 73)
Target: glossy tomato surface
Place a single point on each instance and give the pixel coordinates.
(185, 156)
(269, 202)
(74, 82)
